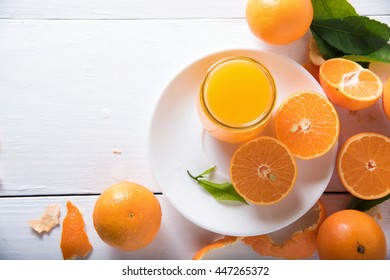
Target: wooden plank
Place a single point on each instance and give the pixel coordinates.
(178, 238)
(151, 9)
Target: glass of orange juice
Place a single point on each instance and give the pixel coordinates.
(236, 99)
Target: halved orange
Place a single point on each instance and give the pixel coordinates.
(386, 98)
(363, 165)
(349, 85)
(308, 124)
(300, 244)
(74, 239)
(263, 171)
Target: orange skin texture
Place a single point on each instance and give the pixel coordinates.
(127, 216)
(386, 98)
(301, 245)
(279, 22)
(351, 235)
(218, 244)
(74, 240)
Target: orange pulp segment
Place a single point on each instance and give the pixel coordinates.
(74, 239)
(263, 171)
(363, 165)
(308, 124)
(349, 85)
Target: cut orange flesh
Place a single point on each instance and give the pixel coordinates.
(363, 165)
(308, 124)
(263, 171)
(349, 85)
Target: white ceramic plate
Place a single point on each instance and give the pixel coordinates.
(177, 143)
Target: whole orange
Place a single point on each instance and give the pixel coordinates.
(279, 22)
(351, 235)
(127, 216)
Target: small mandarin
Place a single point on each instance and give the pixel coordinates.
(351, 235)
(127, 216)
(279, 22)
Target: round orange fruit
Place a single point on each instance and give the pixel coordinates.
(363, 165)
(263, 171)
(127, 216)
(279, 22)
(349, 85)
(351, 235)
(308, 124)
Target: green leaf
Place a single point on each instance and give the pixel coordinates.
(220, 191)
(224, 191)
(381, 55)
(324, 9)
(325, 49)
(352, 35)
(365, 205)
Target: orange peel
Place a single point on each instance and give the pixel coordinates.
(300, 244)
(74, 239)
(218, 244)
(386, 98)
(49, 220)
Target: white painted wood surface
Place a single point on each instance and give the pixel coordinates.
(78, 84)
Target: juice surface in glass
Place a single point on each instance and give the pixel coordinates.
(237, 97)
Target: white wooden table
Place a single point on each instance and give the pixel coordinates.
(78, 84)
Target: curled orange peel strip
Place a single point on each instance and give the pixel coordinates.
(301, 244)
(218, 244)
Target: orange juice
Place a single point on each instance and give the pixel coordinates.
(236, 99)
